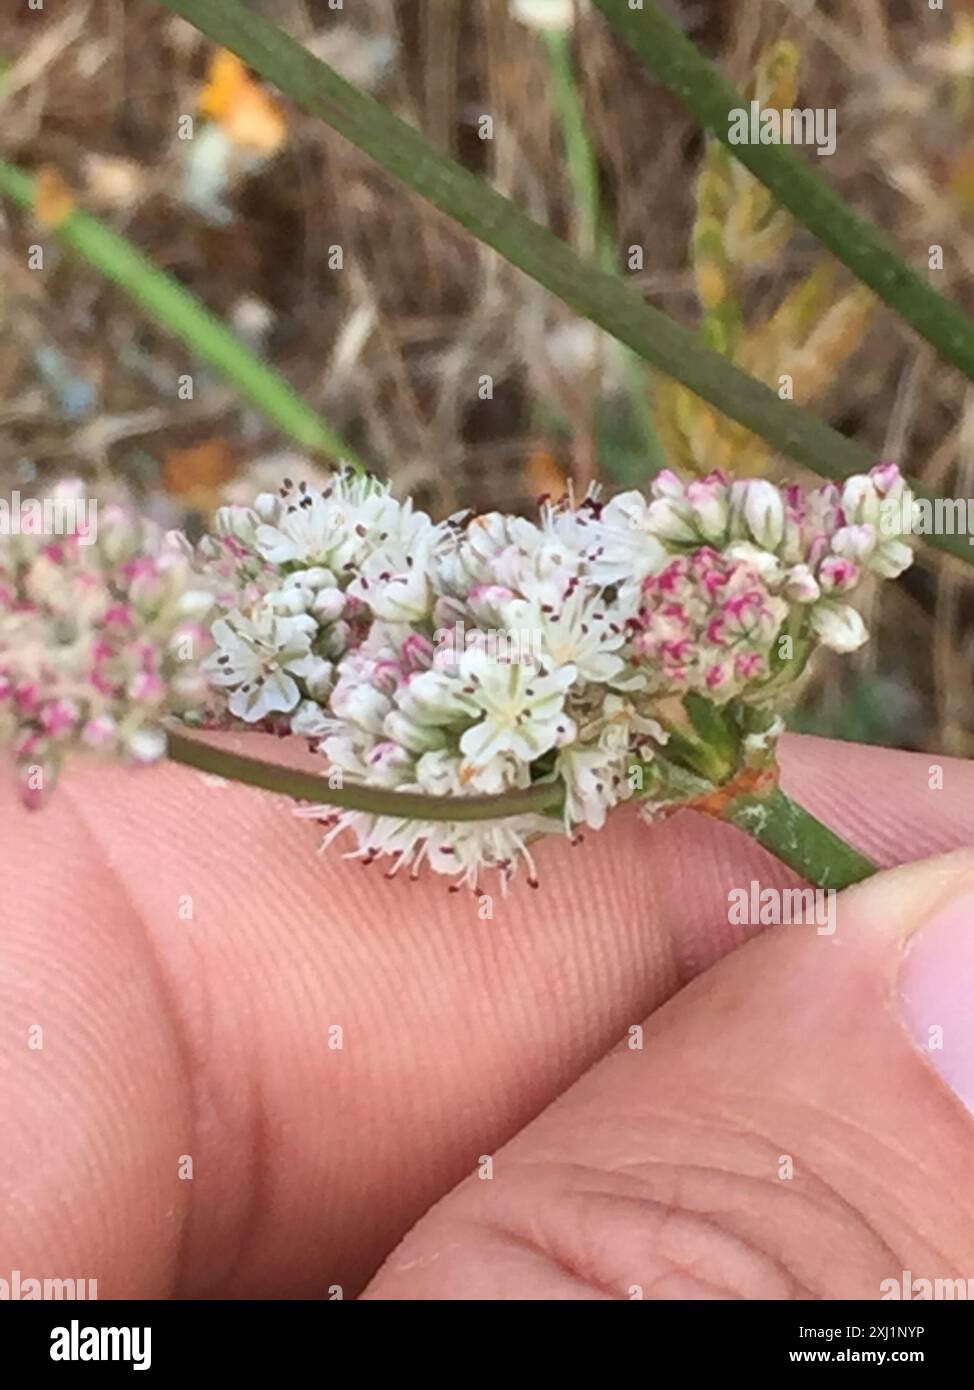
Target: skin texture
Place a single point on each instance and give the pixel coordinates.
(614, 1169)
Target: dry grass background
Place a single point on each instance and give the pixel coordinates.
(391, 347)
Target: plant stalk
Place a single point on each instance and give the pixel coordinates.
(701, 86)
(181, 313)
(798, 839)
(598, 295)
(791, 833)
(545, 799)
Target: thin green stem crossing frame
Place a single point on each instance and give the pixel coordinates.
(791, 833)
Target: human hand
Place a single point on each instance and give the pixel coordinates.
(188, 956)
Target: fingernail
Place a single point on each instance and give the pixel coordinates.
(937, 993)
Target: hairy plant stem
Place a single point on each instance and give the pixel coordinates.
(798, 839)
(772, 818)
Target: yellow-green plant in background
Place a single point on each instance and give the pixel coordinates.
(798, 347)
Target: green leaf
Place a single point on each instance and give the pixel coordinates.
(712, 726)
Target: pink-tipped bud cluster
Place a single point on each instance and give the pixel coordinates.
(100, 637)
(813, 548)
(707, 624)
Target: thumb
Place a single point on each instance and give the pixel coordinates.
(796, 1124)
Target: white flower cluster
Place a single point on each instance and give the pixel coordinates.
(489, 654)
(291, 572)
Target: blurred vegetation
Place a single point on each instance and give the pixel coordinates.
(798, 345)
(388, 319)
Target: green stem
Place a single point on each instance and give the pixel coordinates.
(582, 165)
(599, 296)
(775, 821)
(545, 799)
(799, 840)
(176, 309)
(595, 238)
(702, 87)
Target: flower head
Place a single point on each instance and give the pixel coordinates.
(610, 649)
(490, 654)
(100, 640)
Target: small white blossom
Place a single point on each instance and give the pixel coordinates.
(523, 708)
(764, 514)
(258, 658)
(584, 632)
(623, 547)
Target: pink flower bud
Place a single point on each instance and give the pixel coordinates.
(837, 574)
